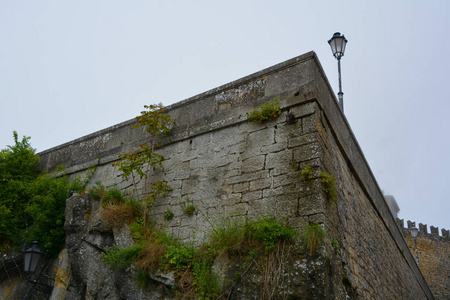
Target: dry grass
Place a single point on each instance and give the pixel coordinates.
(118, 215)
(150, 256)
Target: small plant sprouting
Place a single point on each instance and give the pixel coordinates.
(293, 165)
(335, 246)
(328, 185)
(168, 215)
(268, 111)
(189, 210)
(188, 207)
(313, 238)
(307, 173)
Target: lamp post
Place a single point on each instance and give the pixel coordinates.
(31, 260)
(337, 44)
(414, 233)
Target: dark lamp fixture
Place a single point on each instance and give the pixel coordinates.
(337, 44)
(414, 232)
(31, 258)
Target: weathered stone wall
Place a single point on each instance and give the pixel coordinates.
(231, 169)
(434, 256)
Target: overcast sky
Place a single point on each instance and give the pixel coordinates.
(70, 68)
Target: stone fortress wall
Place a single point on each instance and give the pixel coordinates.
(230, 169)
(434, 256)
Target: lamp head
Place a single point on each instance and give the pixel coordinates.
(31, 258)
(337, 44)
(414, 232)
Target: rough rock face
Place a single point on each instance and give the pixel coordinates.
(87, 238)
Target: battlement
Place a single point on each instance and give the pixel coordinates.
(434, 231)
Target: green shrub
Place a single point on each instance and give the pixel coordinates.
(180, 257)
(313, 238)
(32, 204)
(269, 231)
(116, 258)
(268, 111)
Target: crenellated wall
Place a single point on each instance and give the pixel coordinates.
(434, 256)
(231, 169)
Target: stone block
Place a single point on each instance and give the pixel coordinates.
(307, 152)
(239, 209)
(261, 138)
(253, 164)
(260, 184)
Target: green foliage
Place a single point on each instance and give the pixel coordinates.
(206, 282)
(313, 238)
(237, 238)
(328, 185)
(116, 258)
(111, 196)
(269, 231)
(307, 173)
(141, 162)
(156, 123)
(143, 279)
(188, 207)
(47, 209)
(180, 257)
(268, 111)
(79, 185)
(335, 246)
(32, 204)
(168, 215)
(159, 189)
(137, 230)
(228, 237)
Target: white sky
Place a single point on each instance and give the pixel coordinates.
(70, 68)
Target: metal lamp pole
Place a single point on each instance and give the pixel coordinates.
(414, 234)
(337, 44)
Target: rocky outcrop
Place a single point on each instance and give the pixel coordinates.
(87, 237)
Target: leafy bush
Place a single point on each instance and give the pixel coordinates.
(268, 111)
(32, 204)
(180, 257)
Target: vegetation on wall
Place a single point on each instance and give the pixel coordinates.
(327, 181)
(140, 163)
(328, 185)
(268, 111)
(32, 203)
(313, 238)
(155, 249)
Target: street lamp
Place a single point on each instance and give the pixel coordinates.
(31, 260)
(337, 44)
(414, 233)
